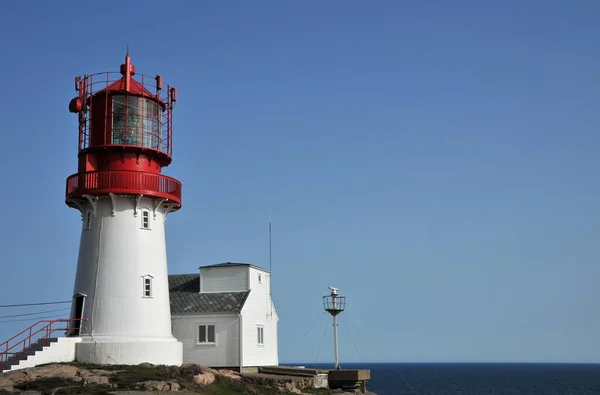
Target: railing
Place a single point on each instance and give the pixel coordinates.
(151, 87)
(123, 182)
(39, 331)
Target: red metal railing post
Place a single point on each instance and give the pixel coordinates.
(104, 138)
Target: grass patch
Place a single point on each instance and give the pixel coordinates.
(130, 376)
(87, 390)
(47, 385)
(224, 386)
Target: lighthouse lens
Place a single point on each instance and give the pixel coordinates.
(136, 121)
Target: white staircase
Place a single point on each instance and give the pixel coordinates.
(60, 349)
(36, 345)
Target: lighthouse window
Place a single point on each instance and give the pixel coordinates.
(88, 220)
(145, 219)
(147, 286)
(136, 121)
(206, 334)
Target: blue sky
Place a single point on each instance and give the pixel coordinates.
(437, 161)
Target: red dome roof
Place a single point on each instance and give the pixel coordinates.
(135, 88)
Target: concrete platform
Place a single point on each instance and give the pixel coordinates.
(349, 378)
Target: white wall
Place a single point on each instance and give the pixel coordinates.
(226, 351)
(224, 279)
(259, 310)
(114, 255)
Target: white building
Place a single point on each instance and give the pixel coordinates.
(224, 316)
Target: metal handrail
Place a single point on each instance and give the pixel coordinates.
(46, 329)
(123, 181)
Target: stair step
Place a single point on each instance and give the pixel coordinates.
(24, 355)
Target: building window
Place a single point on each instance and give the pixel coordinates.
(145, 219)
(206, 334)
(259, 278)
(147, 286)
(261, 335)
(88, 220)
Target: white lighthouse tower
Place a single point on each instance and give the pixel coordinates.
(121, 291)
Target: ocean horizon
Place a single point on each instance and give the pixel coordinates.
(481, 378)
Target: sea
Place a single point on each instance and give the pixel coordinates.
(478, 378)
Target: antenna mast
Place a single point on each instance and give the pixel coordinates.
(270, 266)
(270, 249)
(334, 304)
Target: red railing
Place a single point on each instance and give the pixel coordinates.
(123, 182)
(90, 84)
(39, 331)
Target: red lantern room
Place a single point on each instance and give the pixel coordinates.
(124, 136)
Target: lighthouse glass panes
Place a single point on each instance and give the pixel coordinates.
(136, 121)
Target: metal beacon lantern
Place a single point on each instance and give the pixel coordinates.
(334, 304)
(121, 286)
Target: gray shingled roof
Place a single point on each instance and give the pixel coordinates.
(234, 264)
(185, 297)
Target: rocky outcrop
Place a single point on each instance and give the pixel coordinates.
(140, 379)
(206, 378)
(153, 385)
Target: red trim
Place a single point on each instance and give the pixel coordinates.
(123, 182)
(43, 328)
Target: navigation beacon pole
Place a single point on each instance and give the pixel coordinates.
(334, 304)
(121, 287)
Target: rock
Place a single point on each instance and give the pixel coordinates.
(155, 385)
(91, 380)
(8, 380)
(230, 374)
(66, 372)
(205, 378)
(292, 388)
(54, 370)
(174, 386)
(96, 376)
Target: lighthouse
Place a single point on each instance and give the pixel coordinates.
(121, 294)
